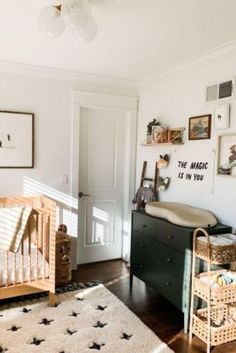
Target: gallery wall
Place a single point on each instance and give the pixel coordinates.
(172, 97)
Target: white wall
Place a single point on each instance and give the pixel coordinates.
(48, 94)
(174, 97)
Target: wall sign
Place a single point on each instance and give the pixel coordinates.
(194, 168)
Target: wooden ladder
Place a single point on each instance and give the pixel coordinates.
(144, 178)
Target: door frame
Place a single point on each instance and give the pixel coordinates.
(127, 105)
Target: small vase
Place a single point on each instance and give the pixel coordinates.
(149, 138)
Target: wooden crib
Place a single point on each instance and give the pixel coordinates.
(32, 268)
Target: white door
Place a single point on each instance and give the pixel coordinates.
(101, 177)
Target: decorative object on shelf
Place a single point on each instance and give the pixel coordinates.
(150, 126)
(175, 135)
(200, 127)
(227, 155)
(162, 183)
(163, 161)
(74, 13)
(159, 134)
(221, 116)
(16, 140)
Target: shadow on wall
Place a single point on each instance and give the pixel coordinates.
(67, 206)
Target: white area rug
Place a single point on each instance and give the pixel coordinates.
(90, 320)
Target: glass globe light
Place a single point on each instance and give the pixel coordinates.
(51, 22)
(76, 13)
(88, 32)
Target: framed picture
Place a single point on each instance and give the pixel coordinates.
(227, 155)
(221, 116)
(199, 127)
(158, 134)
(16, 140)
(175, 135)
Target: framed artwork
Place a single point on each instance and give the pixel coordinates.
(199, 127)
(16, 140)
(158, 134)
(221, 116)
(175, 135)
(227, 155)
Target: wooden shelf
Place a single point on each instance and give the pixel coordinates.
(161, 144)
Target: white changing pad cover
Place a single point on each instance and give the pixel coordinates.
(181, 214)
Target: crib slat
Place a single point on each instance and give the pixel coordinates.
(29, 254)
(7, 267)
(14, 269)
(22, 262)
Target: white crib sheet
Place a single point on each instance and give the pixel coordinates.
(18, 272)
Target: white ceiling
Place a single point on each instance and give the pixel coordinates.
(135, 37)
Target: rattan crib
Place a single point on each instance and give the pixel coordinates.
(32, 268)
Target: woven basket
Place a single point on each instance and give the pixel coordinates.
(219, 335)
(218, 254)
(220, 295)
(63, 258)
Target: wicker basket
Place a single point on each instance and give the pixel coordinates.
(219, 335)
(220, 295)
(218, 254)
(63, 258)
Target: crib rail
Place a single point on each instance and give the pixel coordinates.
(33, 266)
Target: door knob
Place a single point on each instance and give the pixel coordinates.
(81, 194)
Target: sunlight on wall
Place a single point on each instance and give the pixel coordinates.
(67, 206)
(100, 226)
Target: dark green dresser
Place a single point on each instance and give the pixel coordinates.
(161, 256)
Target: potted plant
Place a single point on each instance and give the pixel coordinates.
(150, 125)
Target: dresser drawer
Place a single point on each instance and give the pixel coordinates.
(171, 287)
(168, 259)
(148, 263)
(174, 236)
(145, 225)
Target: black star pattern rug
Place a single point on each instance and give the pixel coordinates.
(88, 320)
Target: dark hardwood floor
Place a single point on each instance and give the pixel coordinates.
(157, 313)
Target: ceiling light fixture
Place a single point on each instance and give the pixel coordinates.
(74, 13)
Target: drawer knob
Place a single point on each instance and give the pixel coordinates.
(141, 245)
(144, 226)
(170, 237)
(141, 266)
(168, 259)
(168, 283)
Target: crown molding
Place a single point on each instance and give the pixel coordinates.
(205, 58)
(100, 81)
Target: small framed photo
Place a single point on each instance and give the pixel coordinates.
(199, 127)
(16, 140)
(158, 134)
(221, 116)
(227, 155)
(175, 135)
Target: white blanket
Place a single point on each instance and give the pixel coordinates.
(13, 222)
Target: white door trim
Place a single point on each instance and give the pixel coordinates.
(121, 103)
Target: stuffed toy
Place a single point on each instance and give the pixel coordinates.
(163, 161)
(144, 195)
(162, 183)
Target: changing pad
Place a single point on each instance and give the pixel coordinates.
(181, 214)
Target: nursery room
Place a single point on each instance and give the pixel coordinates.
(117, 176)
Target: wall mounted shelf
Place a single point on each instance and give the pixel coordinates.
(161, 144)
(172, 136)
